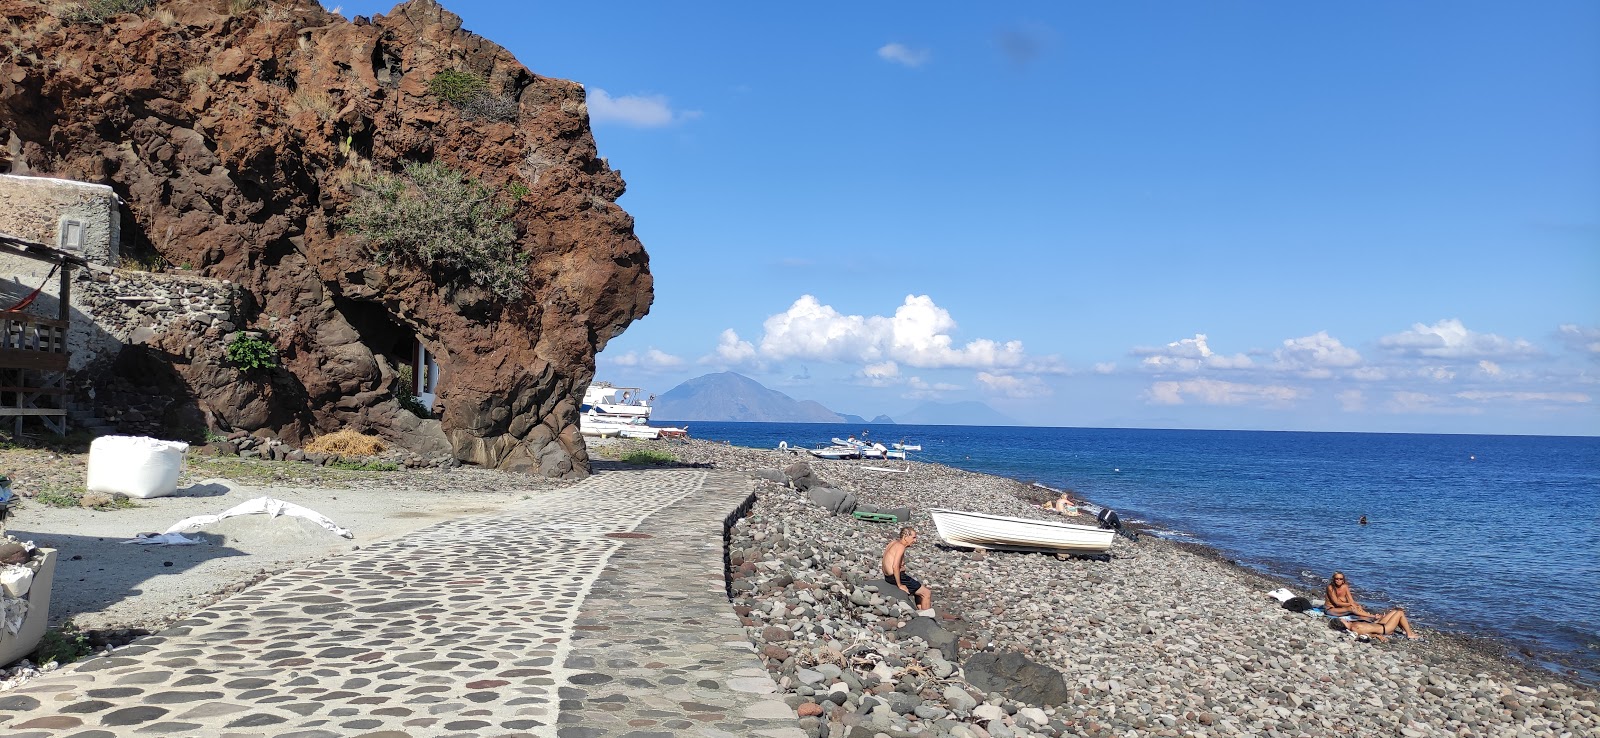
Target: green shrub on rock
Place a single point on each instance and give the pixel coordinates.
(441, 219)
(251, 353)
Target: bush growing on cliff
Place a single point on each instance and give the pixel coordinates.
(471, 94)
(251, 353)
(439, 218)
(100, 11)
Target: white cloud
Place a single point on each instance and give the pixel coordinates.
(1583, 339)
(1411, 402)
(1190, 354)
(651, 359)
(918, 335)
(1217, 392)
(638, 111)
(1010, 386)
(731, 350)
(1315, 356)
(1369, 374)
(1436, 373)
(1569, 398)
(1450, 339)
(881, 374)
(1352, 401)
(922, 390)
(1490, 368)
(904, 55)
(1105, 367)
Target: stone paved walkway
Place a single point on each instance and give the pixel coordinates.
(591, 612)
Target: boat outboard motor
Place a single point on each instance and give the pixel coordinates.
(1110, 519)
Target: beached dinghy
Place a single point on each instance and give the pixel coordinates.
(978, 530)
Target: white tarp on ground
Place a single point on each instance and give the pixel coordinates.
(261, 506)
(135, 466)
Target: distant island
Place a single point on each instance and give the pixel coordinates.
(733, 397)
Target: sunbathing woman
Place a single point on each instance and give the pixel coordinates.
(1385, 625)
(1339, 600)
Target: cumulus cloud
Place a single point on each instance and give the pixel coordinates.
(881, 374)
(1582, 339)
(1105, 367)
(1218, 392)
(904, 55)
(651, 359)
(1436, 373)
(917, 335)
(731, 350)
(1188, 355)
(1490, 368)
(1352, 401)
(1563, 398)
(1315, 356)
(638, 111)
(1010, 386)
(923, 390)
(1369, 374)
(1450, 339)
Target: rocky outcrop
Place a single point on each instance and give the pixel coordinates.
(237, 134)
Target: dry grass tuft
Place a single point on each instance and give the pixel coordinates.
(346, 443)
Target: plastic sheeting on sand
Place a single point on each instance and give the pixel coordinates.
(262, 506)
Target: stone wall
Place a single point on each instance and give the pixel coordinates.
(36, 207)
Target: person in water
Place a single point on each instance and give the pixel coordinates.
(894, 569)
(1385, 625)
(1340, 601)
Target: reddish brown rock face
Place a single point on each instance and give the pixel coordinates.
(236, 138)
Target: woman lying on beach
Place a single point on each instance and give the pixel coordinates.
(1339, 600)
(1062, 504)
(1385, 625)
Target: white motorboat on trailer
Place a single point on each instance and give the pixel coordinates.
(903, 446)
(607, 399)
(593, 423)
(835, 453)
(980, 530)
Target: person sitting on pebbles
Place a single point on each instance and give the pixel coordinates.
(894, 570)
(1385, 625)
(1339, 601)
(1062, 504)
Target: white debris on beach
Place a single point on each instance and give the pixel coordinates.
(1161, 639)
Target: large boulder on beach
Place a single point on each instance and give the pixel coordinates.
(1017, 677)
(937, 637)
(837, 501)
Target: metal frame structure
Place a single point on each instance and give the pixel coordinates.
(33, 348)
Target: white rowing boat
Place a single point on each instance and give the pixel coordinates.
(979, 530)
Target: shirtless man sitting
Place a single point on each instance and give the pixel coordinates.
(894, 569)
(1385, 625)
(1340, 601)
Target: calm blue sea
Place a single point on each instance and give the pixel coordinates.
(1491, 535)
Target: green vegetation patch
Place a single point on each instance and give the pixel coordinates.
(56, 498)
(648, 457)
(440, 219)
(252, 353)
(100, 11)
(471, 94)
(62, 645)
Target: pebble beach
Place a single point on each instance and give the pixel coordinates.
(1162, 638)
(1159, 638)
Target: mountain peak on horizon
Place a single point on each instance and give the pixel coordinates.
(733, 397)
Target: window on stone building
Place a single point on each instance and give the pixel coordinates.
(71, 235)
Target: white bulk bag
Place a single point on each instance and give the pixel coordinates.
(135, 466)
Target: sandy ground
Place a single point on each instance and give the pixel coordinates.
(121, 590)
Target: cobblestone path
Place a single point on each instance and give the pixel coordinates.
(590, 612)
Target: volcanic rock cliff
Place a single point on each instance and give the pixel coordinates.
(238, 133)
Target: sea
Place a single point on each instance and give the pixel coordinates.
(1492, 536)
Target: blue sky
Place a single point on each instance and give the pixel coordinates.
(1353, 217)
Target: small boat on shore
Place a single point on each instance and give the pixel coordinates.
(835, 453)
(980, 530)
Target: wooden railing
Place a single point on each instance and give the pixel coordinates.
(28, 341)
